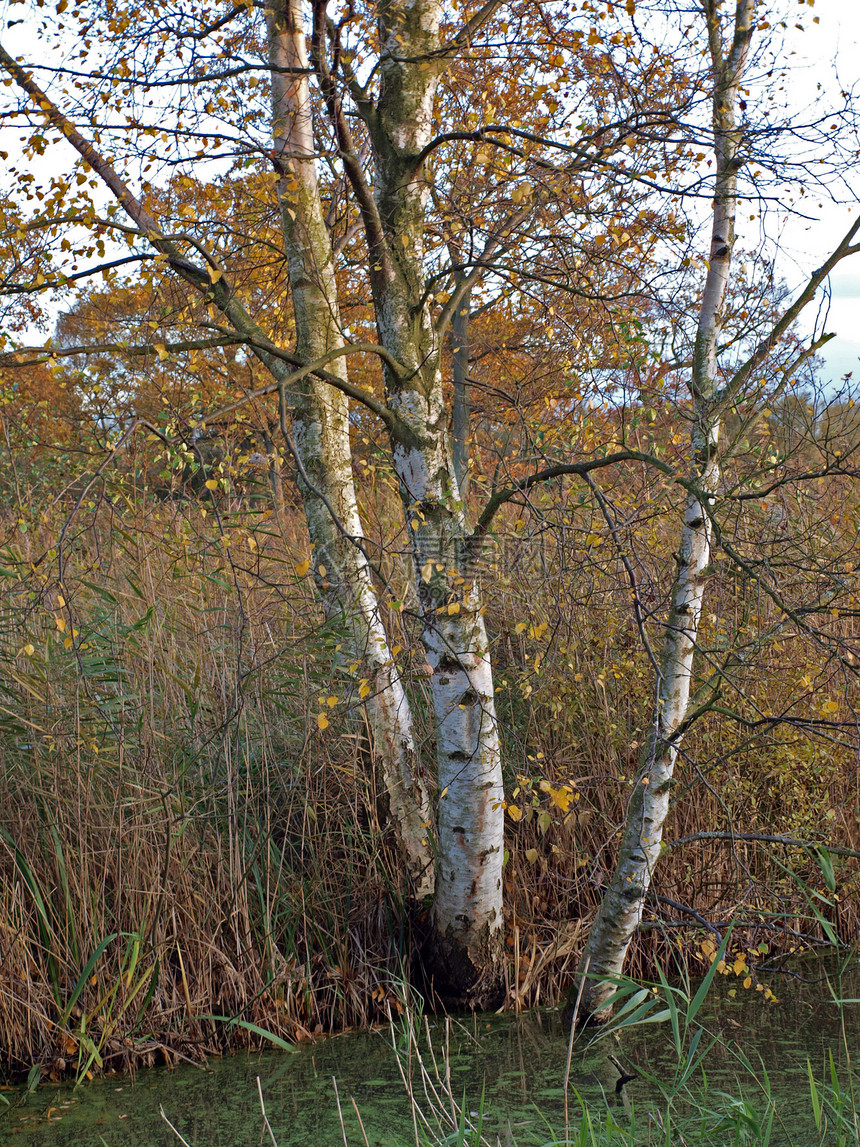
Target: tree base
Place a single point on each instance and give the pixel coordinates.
(452, 977)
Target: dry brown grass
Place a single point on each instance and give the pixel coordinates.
(169, 806)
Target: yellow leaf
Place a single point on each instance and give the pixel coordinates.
(747, 981)
(61, 601)
(67, 643)
(829, 707)
(364, 688)
(593, 540)
(414, 523)
(519, 627)
(211, 484)
(561, 798)
(60, 624)
(531, 855)
(322, 720)
(739, 965)
(29, 649)
(302, 568)
(161, 351)
(515, 812)
(214, 275)
(454, 607)
(323, 571)
(331, 702)
(426, 571)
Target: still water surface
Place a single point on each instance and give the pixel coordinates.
(517, 1063)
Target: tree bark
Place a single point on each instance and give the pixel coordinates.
(461, 414)
(320, 423)
(466, 950)
(620, 910)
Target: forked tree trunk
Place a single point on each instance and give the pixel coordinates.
(620, 910)
(320, 423)
(467, 912)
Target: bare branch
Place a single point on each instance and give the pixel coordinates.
(63, 280)
(47, 354)
(499, 498)
(770, 340)
(765, 838)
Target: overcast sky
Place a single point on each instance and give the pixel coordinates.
(833, 44)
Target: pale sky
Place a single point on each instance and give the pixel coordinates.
(836, 39)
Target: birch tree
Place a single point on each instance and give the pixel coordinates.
(318, 428)
(356, 114)
(320, 425)
(467, 906)
(712, 389)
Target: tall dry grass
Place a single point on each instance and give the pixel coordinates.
(188, 862)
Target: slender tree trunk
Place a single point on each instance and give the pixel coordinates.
(320, 423)
(620, 910)
(467, 911)
(461, 415)
(468, 904)
(276, 480)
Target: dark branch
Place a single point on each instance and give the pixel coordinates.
(575, 468)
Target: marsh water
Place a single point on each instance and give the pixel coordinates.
(509, 1067)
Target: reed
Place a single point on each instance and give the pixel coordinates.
(188, 863)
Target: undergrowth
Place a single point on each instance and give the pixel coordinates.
(190, 860)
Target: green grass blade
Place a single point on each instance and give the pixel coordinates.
(256, 1029)
(813, 1091)
(84, 976)
(673, 1011)
(67, 898)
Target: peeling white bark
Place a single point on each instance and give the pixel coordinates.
(620, 910)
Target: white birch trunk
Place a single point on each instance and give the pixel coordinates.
(467, 946)
(620, 910)
(320, 422)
